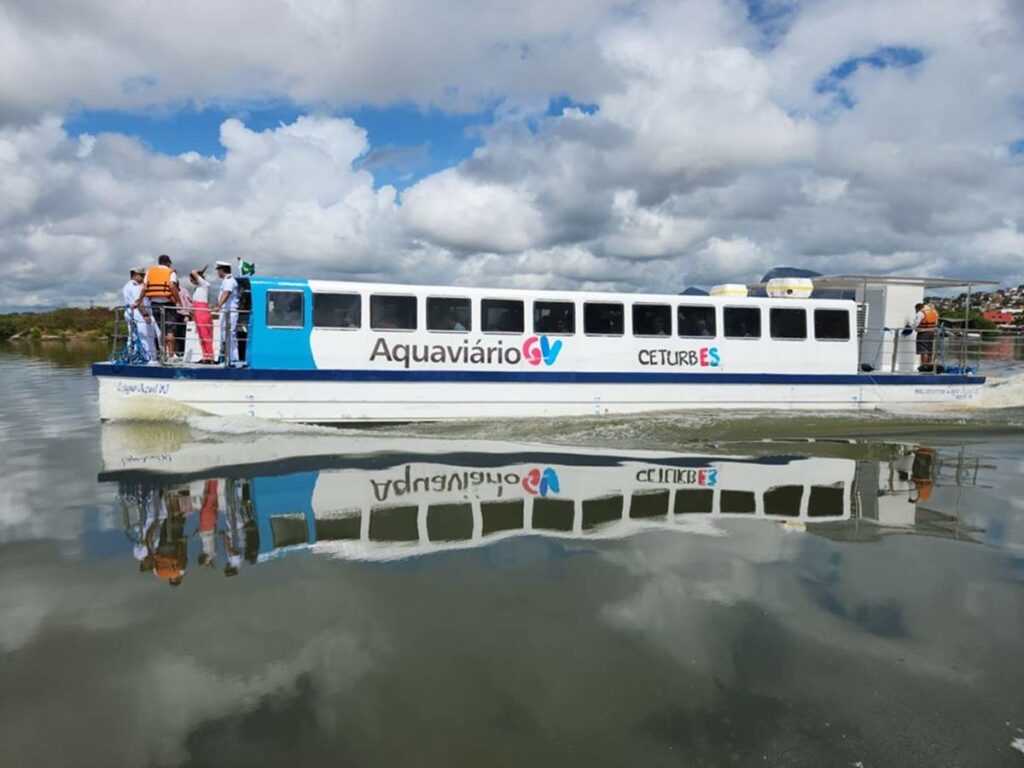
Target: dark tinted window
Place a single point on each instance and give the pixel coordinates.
(450, 522)
(783, 500)
(826, 501)
(553, 514)
(831, 324)
(600, 511)
(691, 501)
(603, 319)
(501, 516)
(336, 310)
(788, 323)
(501, 316)
(448, 314)
(394, 524)
(742, 322)
(738, 502)
(697, 321)
(652, 320)
(393, 313)
(554, 317)
(649, 504)
(284, 309)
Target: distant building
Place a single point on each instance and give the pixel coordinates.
(999, 317)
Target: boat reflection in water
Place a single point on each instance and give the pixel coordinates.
(370, 498)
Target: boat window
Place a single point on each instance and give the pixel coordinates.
(649, 504)
(738, 502)
(336, 310)
(826, 501)
(602, 319)
(499, 516)
(448, 314)
(694, 501)
(450, 522)
(783, 500)
(284, 309)
(501, 316)
(831, 324)
(288, 530)
(553, 514)
(600, 511)
(788, 323)
(393, 313)
(554, 317)
(696, 321)
(742, 322)
(339, 527)
(652, 320)
(394, 524)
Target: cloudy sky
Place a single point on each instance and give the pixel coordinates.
(584, 143)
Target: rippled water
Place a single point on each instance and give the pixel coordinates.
(665, 590)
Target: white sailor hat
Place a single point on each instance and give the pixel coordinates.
(224, 264)
(138, 271)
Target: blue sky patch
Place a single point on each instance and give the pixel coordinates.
(406, 143)
(887, 57)
(1017, 147)
(771, 18)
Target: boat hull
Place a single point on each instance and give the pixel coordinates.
(155, 392)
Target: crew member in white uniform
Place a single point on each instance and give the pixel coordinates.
(227, 305)
(139, 318)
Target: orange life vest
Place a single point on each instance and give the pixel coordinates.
(158, 283)
(930, 320)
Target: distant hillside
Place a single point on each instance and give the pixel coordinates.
(63, 323)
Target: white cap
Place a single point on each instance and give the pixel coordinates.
(225, 264)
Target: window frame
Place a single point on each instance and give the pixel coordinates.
(771, 333)
(714, 320)
(849, 326)
(620, 304)
(350, 328)
(426, 312)
(533, 315)
(760, 323)
(416, 305)
(302, 309)
(522, 316)
(632, 318)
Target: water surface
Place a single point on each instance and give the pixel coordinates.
(666, 590)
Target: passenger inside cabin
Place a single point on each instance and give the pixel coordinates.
(702, 327)
(385, 317)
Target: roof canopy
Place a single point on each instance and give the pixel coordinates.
(838, 282)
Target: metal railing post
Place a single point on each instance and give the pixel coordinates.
(895, 348)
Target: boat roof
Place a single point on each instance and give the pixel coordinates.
(856, 281)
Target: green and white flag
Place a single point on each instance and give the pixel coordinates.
(246, 268)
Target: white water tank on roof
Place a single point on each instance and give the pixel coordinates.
(789, 288)
(729, 289)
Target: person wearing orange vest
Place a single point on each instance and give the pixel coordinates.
(161, 288)
(925, 322)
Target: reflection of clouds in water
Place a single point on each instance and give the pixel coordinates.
(884, 601)
(126, 651)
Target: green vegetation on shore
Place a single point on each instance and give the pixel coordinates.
(63, 323)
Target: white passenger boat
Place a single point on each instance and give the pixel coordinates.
(321, 351)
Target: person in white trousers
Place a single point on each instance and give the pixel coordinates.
(227, 305)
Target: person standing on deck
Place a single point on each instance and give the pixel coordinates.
(138, 315)
(161, 289)
(925, 321)
(201, 311)
(227, 306)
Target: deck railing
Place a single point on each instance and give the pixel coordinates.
(174, 337)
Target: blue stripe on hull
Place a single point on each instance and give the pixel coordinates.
(530, 377)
